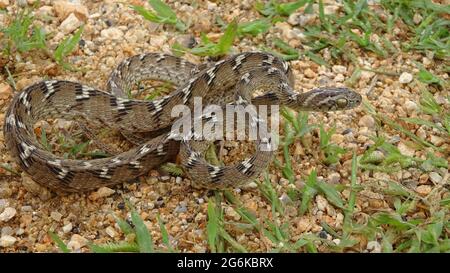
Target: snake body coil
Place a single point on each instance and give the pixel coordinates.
(232, 80)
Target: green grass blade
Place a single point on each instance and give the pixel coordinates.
(62, 246)
(238, 247)
(143, 237)
(254, 28)
(286, 9)
(66, 47)
(148, 15)
(123, 225)
(331, 194)
(212, 227)
(316, 58)
(309, 191)
(419, 121)
(227, 39)
(162, 9)
(114, 247)
(164, 234)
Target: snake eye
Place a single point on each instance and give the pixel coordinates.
(341, 103)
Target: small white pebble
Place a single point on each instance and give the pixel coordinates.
(3, 204)
(374, 247)
(435, 177)
(339, 78)
(26, 209)
(421, 133)
(411, 106)
(70, 24)
(7, 231)
(367, 121)
(67, 228)
(77, 242)
(20, 231)
(406, 175)
(339, 69)
(321, 203)
(112, 33)
(405, 77)
(230, 212)
(7, 240)
(249, 186)
(56, 216)
(334, 178)
(337, 138)
(426, 61)
(285, 199)
(293, 19)
(7, 214)
(366, 75)
(417, 18)
(284, 182)
(111, 232)
(436, 140)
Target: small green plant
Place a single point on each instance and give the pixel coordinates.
(66, 47)
(429, 106)
(73, 149)
(73, 146)
(332, 152)
(394, 125)
(414, 235)
(287, 52)
(428, 77)
(278, 233)
(430, 34)
(270, 194)
(295, 128)
(389, 159)
(222, 47)
(8, 168)
(62, 246)
(288, 139)
(138, 238)
(172, 168)
(308, 192)
(21, 35)
(399, 230)
(274, 9)
(280, 237)
(254, 28)
(162, 14)
(313, 187)
(349, 210)
(163, 89)
(218, 237)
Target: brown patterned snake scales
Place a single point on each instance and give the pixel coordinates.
(232, 80)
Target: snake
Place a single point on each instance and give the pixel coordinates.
(232, 80)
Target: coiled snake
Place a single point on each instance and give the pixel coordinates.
(232, 80)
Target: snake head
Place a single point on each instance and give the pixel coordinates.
(330, 99)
